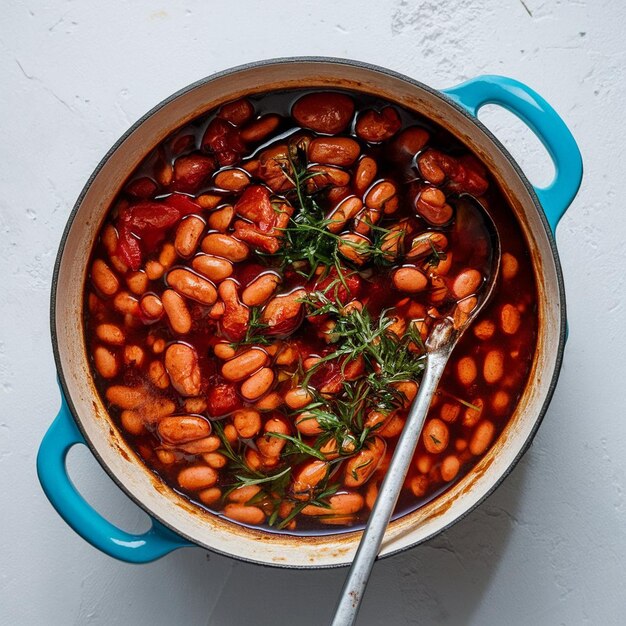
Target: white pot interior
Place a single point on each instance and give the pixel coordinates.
(120, 461)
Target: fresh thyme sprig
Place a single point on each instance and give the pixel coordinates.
(307, 241)
(388, 359)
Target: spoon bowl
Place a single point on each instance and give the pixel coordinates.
(484, 254)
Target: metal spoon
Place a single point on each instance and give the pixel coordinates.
(483, 252)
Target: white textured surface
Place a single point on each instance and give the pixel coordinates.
(549, 547)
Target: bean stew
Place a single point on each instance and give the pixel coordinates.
(260, 293)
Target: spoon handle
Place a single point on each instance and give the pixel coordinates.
(354, 586)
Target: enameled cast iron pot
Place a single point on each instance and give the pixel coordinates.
(83, 418)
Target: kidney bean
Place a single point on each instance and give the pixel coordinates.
(191, 170)
(287, 355)
(124, 303)
(258, 384)
(260, 289)
(440, 266)
(132, 422)
(426, 244)
(392, 427)
(364, 175)
(197, 477)
(244, 494)
(283, 313)
(376, 126)
(343, 212)
(151, 306)
(382, 196)
(206, 445)
(221, 218)
(409, 280)
(269, 402)
(106, 362)
(484, 330)
(510, 319)
(236, 112)
(268, 445)
(125, 397)
(213, 267)
(450, 467)
(104, 280)
(324, 112)
(339, 504)
(466, 283)
(435, 436)
(424, 463)
(365, 219)
(259, 129)
(419, 485)
(247, 422)
(335, 195)
(225, 246)
(109, 238)
(134, 356)
(362, 465)
(167, 256)
(298, 398)
(341, 151)
(449, 412)
(181, 363)
(232, 179)
(176, 311)
(189, 284)
(195, 405)
(493, 366)
(158, 344)
(244, 513)
(466, 370)
(158, 375)
(177, 429)
(307, 424)
(245, 364)
(354, 247)
(509, 266)
(306, 478)
(154, 270)
(208, 200)
(472, 415)
(137, 282)
(431, 204)
(326, 176)
(500, 402)
(411, 140)
(481, 437)
(223, 350)
(210, 496)
(167, 457)
(188, 235)
(111, 334)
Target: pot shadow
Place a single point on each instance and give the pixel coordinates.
(441, 581)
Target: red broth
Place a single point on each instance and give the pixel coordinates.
(260, 293)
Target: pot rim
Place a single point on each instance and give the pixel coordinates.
(331, 61)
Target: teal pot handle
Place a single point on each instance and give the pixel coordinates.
(544, 121)
(74, 509)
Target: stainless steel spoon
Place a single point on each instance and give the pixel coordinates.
(483, 252)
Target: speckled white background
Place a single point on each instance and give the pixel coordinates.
(549, 547)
